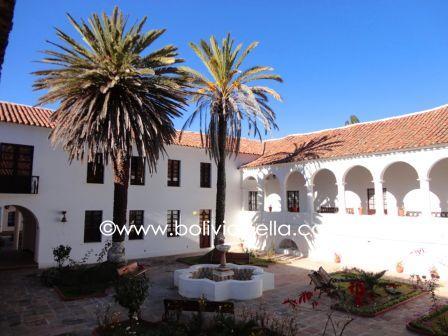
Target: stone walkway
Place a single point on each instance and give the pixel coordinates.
(28, 308)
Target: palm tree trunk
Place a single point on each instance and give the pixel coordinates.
(121, 182)
(221, 181)
(6, 15)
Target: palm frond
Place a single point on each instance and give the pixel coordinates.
(113, 95)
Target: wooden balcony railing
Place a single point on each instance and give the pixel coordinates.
(10, 184)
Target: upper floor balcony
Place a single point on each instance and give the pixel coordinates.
(19, 184)
(16, 169)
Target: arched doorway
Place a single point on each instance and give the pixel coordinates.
(359, 188)
(402, 189)
(296, 193)
(272, 198)
(18, 245)
(325, 191)
(251, 194)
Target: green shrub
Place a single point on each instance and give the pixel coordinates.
(131, 292)
(61, 254)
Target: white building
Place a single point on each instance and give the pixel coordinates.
(329, 180)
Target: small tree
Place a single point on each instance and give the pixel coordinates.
(61, 254)
(130, 293)
(352, 120)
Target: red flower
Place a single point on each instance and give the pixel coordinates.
(292, 302)
(305, 296)
(358, 290)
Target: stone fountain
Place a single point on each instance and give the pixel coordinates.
(222, 272)
(221, 283)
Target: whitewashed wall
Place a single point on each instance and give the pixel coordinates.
(63, 187)
(418, 179)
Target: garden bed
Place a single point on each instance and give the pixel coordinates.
(218, 326)
(381, 302)
(141, 327)
(80, 282)
(433, 324)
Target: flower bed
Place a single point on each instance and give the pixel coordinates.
(80, 282)
(433, 324)
(387, 295)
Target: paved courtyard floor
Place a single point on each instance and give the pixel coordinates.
(28, 308)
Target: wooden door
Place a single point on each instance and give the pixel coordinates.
(205, 216)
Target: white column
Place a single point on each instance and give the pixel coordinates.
(341, 197)
(283, 200)
(310, 197)
(379, 198)
(3, 219)
(425, 193)
(16, 230)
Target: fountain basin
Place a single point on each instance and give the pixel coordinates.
(231, 289)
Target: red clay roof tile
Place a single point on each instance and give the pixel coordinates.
(415, 130)
(36, 116)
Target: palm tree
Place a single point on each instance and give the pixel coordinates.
(224, 102)
(113, 99)
(6, 15)
(352, 120)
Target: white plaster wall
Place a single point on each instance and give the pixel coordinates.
(373, 242)
(63, 187)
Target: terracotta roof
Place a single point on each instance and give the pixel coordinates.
(422, 129)
(36, 116)
(24, 114)
(193, 139)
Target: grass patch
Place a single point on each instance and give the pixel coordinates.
(433, 324)
(381, 301)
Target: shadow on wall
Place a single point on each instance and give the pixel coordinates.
(438, 185)
(402, 185)
(325, 189)
(302, 232)
(308, 150)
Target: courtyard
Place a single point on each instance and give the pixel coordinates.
(29, 308)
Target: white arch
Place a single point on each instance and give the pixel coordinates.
(272, 193)
(386, 167)
(430, 168)
(313, 176)
(348, 170)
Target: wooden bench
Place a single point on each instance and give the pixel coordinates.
(328, 209)
(180, 306)
(413, 213)
(443, 214)
(133, 268)
(322, 282)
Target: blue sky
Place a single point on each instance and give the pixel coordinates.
(374, 58)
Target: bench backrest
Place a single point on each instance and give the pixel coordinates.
(196, 305)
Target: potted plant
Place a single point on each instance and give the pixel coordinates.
(401, 211)
(399, 267)
(337, 258)
(270, 208)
